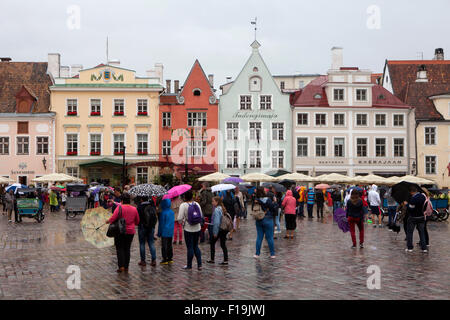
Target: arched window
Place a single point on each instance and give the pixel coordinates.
(255, 84)
(197, 92)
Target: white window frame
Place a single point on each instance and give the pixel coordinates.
(137, 106)
(66, 142)
(165, 147)
(9, 146)
(250, 131)
(339, 125)
(425, 164)
(71, 173)
(250, 84)
(368, 153)
(48, 146)
(136, 145)
(367, 120)
(260, 101)
(124, 142)
(386, 149)
(251, 101)
(321, 125)
(238, 130)
(344, 95)
(271, 131)
(29, 145)
(356, 95)
(393, 147)
(90, 106)
(195, 147)
(261, 159)
(271, 158)
(393, 120)
(307, 146)
(435, 136)
(232, 158)
(197, 119)
(344, 147)
(67, 105)
(114, 107)
(386, 120)
(169, 120)
(307, 119)
(315, 147)
(138, 174)
(90, 140)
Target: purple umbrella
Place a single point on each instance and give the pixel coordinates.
(176, 191)
(236, 180)
(340, 217)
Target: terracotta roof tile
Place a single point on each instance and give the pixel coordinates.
(33, 76)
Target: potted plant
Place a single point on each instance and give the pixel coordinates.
(95, 113)
(142, 153)
(118, 113)
(72, 153)
(118, 153)
(142, 113)
(95, 153)
(71, 113)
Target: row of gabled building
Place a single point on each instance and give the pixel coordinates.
(86, 122)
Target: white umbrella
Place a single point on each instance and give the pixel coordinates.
(334, 178)
(56, 177)
(297, 177)
(373, 179)
(414, 179)
(216, 176)
(222, 187)
(6, 180)
(257, 177)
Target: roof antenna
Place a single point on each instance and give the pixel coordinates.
(254, 22)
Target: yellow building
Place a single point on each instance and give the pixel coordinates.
(100, 111)
(433, 144)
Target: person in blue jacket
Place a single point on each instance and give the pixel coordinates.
(310, 202)
(165, 231)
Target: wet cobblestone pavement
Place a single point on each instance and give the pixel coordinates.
(317, 264)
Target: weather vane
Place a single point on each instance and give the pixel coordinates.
(254, 22)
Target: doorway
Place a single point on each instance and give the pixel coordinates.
(23, 180)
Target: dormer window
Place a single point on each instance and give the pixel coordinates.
(197, 92)
(381, 97)
(361, 94)
(317, 96)
(422, 74)
(255, 69)
(338, 94)
(255, 84)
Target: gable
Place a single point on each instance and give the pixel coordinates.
(196, 88)
(24, 100)
(105, 74)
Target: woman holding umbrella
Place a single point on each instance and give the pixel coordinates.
(355, 216)
(9, 204)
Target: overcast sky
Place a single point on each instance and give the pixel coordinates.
(296, 35)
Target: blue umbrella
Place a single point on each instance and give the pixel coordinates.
(14, 187)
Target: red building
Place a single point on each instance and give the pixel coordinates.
(188, 131)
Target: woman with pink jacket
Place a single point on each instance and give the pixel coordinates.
(289, 205)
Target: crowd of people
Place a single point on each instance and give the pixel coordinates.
(200, 216)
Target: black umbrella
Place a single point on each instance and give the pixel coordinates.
(287, 182)
(400, 191)
(277, 172)
(278, 187)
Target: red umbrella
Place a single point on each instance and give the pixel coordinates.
(322, 186)
(176, 191)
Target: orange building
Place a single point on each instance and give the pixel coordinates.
(188, 131)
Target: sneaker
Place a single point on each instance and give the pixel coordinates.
(210, 261)
(187, 268)
(142, 263)
(179, 242)
(425, 251)
(272, 257)
(353, 247)
(369, 221)
(170, 261)
(199, 268)
(174, 242)
(380, 226)
(225, 263)
(164, 262)
(10, 221)
(374, 225)
(409, 250)
(256, 256)
(153, 264)
(361, 246)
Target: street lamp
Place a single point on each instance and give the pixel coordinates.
(245, 167)
(44, 162)
(123, 168)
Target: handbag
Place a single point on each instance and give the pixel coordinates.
(118, 227)
(258, 213)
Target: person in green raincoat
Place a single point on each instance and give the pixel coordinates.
(53, 201)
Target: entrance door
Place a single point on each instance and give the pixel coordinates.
(23, 180)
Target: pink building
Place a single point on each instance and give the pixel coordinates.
(27, 126)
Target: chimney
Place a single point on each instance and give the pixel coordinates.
(54, 64)
(176, 86)
(65, 72)
(75, 70)
(422, 74)
(439, 54)
(168, 86)
(211, 80)
(337, 59)
(114, 63)
(5, 59)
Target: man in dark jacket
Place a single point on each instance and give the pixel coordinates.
(319, 203)
(146, 232)
(205, 203)
(416, 218)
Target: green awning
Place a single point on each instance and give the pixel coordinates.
(102, 162)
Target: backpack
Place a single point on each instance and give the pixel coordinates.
(149, 217)
(427, 207)
(194, 214)
(258, 213)
(227, 223)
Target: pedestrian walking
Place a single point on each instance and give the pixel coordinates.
(375, 203)
(289, 206)
(392, 208)
(241, 206)
(63, 199)
(416, 219)
(178, 228)
(355, 216)
(265, 226)
(146, 229)
(205, 201)
(123, 241)
(190, 215)
(310, 196)
(336, 197)
(278, 199)
(217, 232)
(165, 231)
(320, 200)
(9, 204)
(229, 203)
(53, 201)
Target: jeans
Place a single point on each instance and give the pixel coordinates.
(301, 209)
(166, 249)
(264, 227)
(336, 205)
(414, 222)
(427, 238)
(359, 222)
(391, 213)
(123, 247)
(222, 236)
(310, 210)
(146, 235)
(191, 240)
(277, 220)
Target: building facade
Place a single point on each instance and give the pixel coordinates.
(105, 115)
(294, 82)
(425, 84)
(188, 119)
(255, 121)
(27, 127)
(343, 123)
